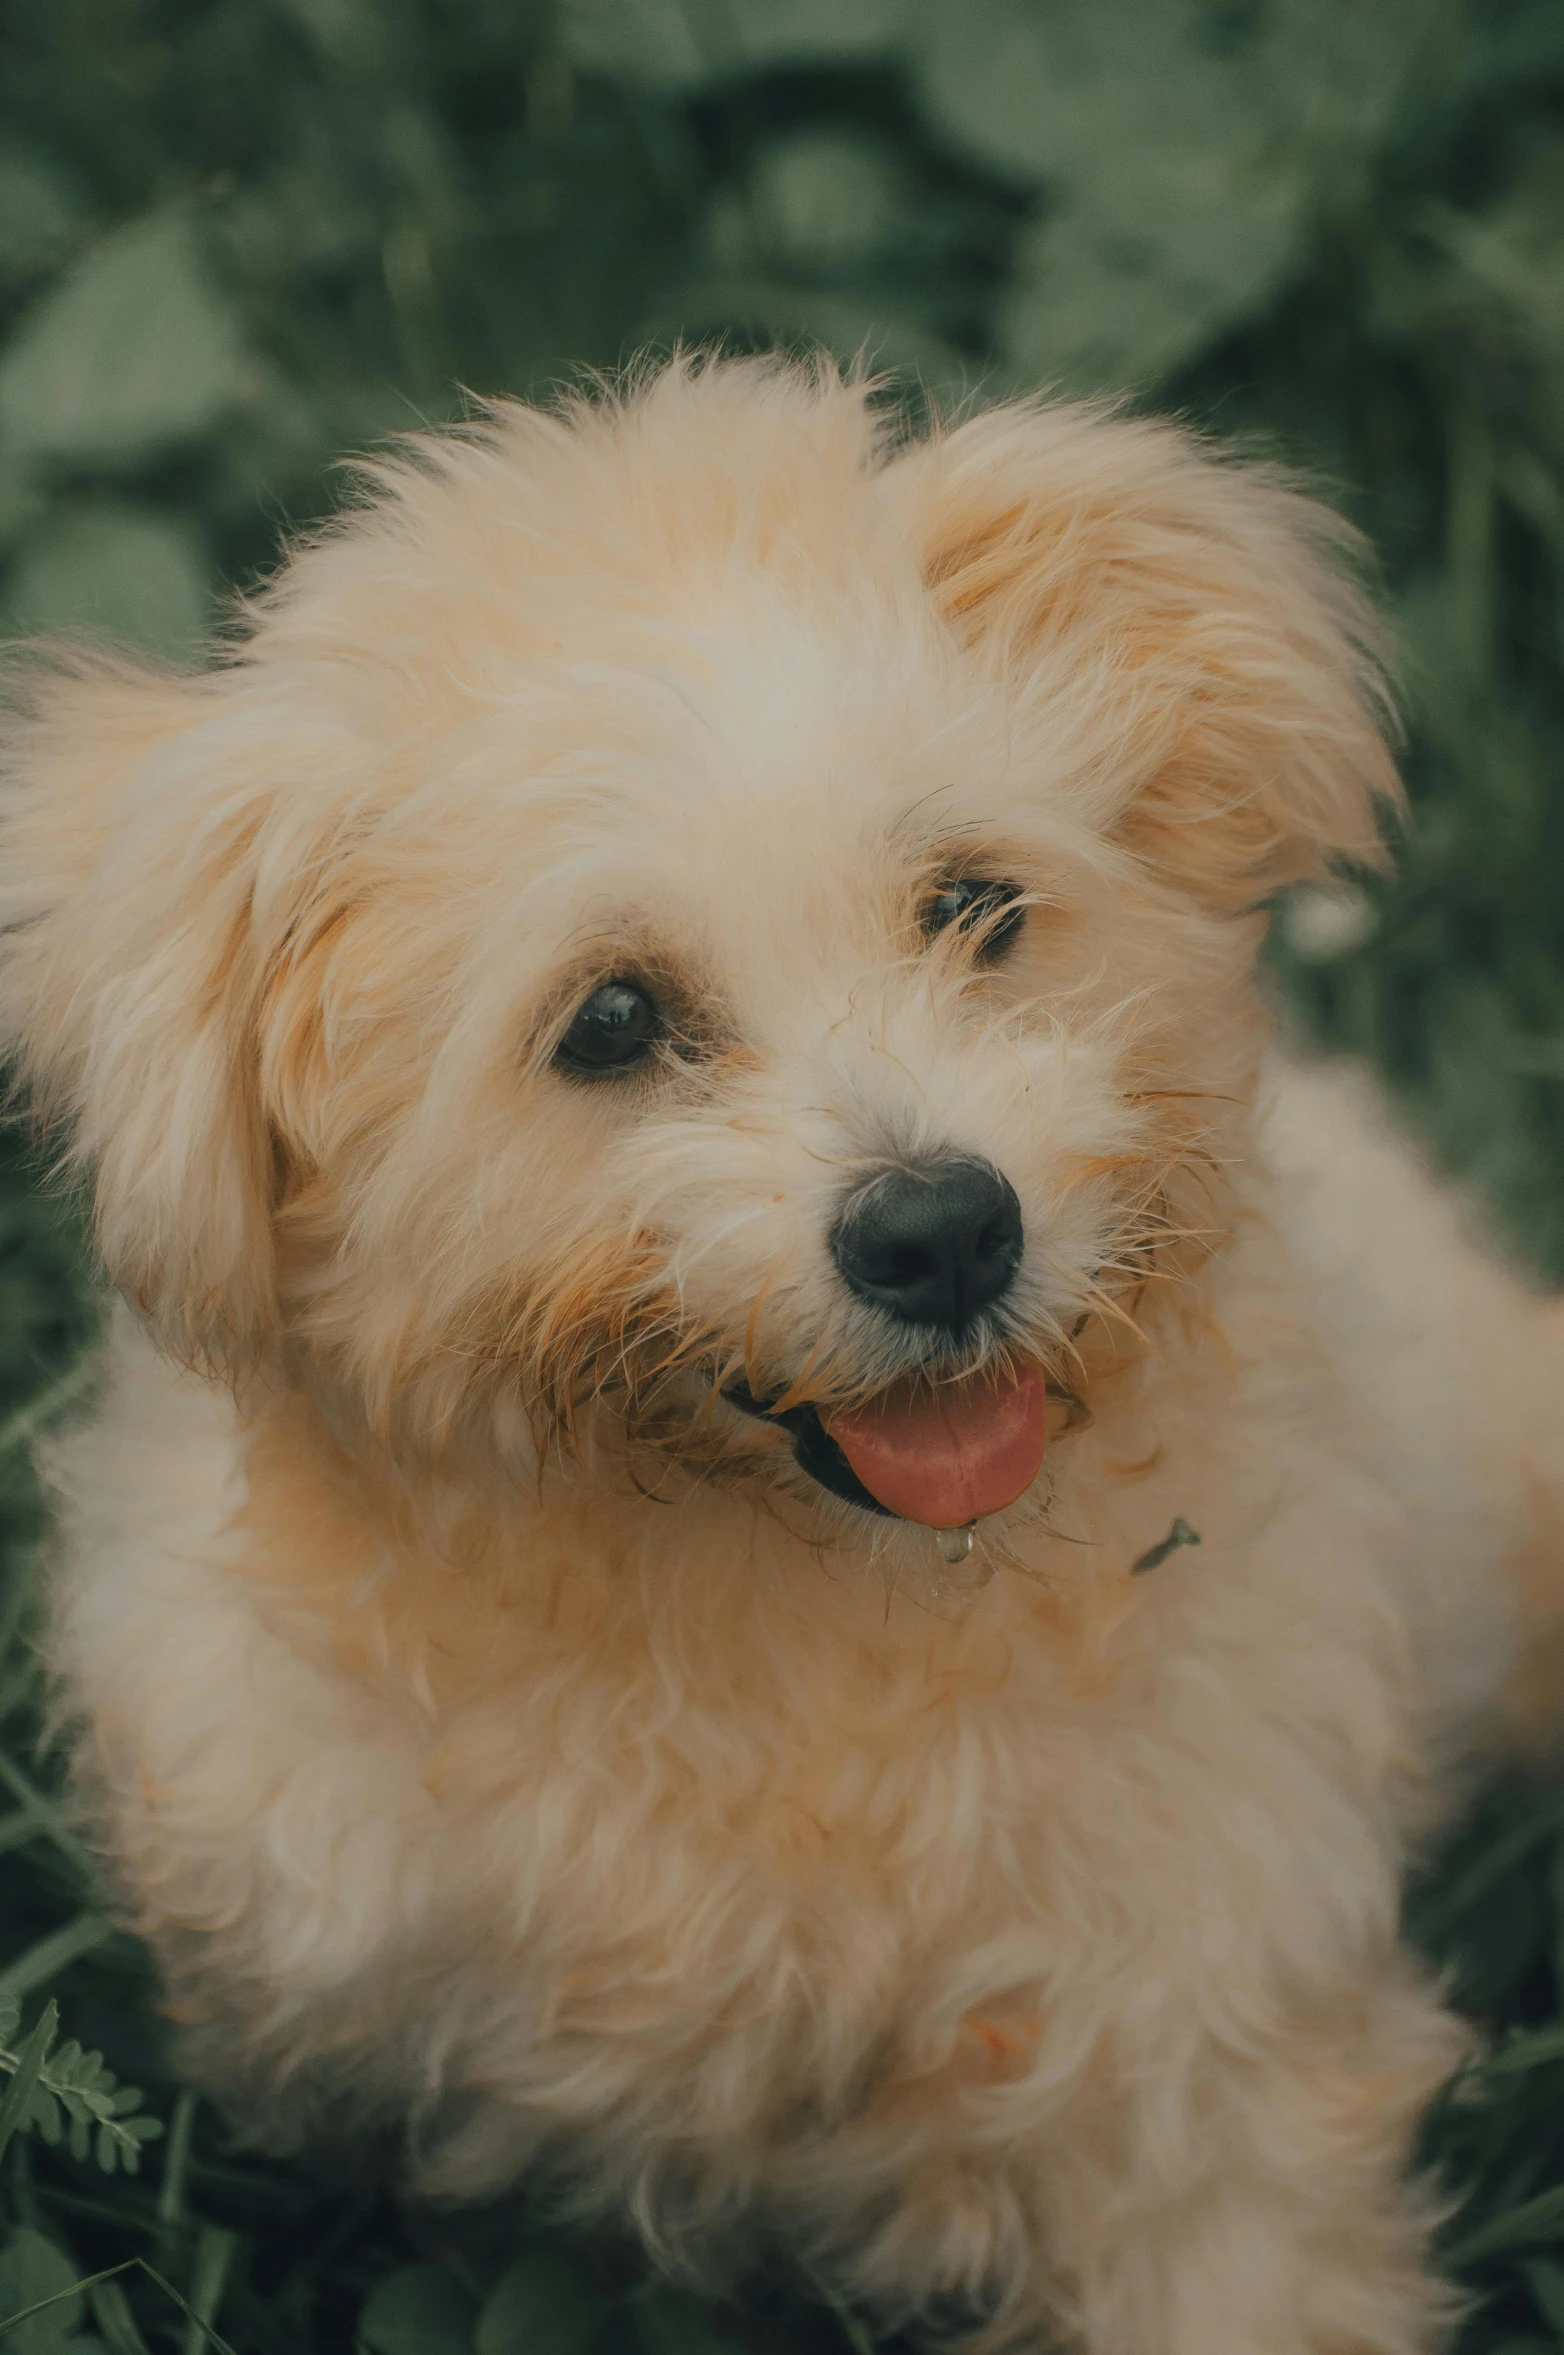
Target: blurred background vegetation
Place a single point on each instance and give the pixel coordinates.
(239, 239)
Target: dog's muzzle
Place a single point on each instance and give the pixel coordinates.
(931, 1244)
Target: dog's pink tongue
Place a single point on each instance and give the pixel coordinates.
(950, 1455)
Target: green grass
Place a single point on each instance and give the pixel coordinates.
(241, 237)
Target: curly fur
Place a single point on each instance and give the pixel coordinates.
(502, 1743)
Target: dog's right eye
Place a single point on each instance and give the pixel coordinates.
(991, 911)
(615, 1027)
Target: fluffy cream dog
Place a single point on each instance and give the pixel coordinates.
(672, 1030)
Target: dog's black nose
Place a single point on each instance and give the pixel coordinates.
(932, 1243)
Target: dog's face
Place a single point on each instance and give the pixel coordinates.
(691, 933)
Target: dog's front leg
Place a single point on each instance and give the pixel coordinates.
(1259, 2203)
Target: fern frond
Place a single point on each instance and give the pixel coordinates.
(69, 2093)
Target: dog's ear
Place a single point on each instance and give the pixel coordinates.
(1194, 623)
(131, 826)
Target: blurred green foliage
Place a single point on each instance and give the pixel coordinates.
(239, 238)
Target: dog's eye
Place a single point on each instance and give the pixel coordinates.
(618, 1025)
(988, 910)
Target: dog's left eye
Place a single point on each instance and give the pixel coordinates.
(618, 1025)
(988, 909)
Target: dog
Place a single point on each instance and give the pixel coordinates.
(780, 1536)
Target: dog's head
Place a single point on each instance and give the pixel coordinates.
(690, 923)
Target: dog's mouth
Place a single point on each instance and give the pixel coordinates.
(943, 1454)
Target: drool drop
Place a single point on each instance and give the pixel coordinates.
(955, 1544)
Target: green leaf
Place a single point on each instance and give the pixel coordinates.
(821, 198)
(111, 2312)
(34, 2273)
(418, 2310)
(1532, 2224)
(677, 44)
(547, 2303)
(215, 2251)
(173, 2186)
(1538, 2049)
(134, 352)
(16, 2106)
(45, 2114)
(23, 501)
(112, 570)
(1185, 153)
(668, 2322)
(1545, 2280)
(51, 1953)
(200, 2333)
(39, 211)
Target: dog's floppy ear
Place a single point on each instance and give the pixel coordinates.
(132, 814)
(1206, 609)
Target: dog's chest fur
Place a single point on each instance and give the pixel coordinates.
(656, 1814)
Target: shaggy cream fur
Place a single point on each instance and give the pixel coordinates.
(502, 1741)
